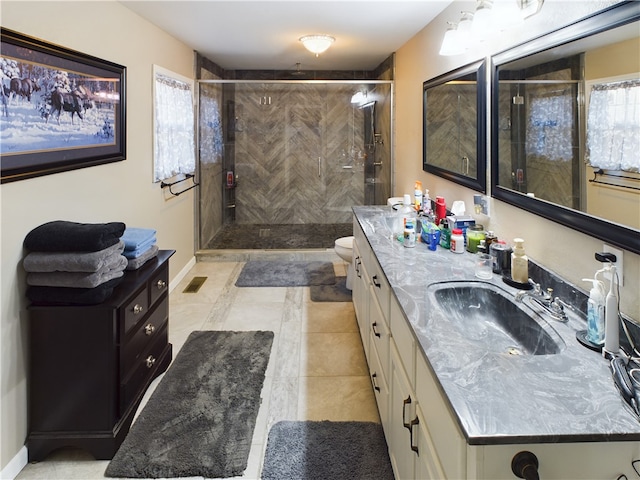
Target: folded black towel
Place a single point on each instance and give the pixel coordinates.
(63, 236)
(72, 296)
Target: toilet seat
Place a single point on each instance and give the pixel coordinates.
(344, 245)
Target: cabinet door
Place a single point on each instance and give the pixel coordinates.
(360, 295)
(402, 411)
(427, 464)
(380, 389)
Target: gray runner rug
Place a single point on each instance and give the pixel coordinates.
(264, 273)
(326, 450)
(337, 292)
(200, 419)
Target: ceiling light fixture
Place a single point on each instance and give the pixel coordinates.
(317, 44)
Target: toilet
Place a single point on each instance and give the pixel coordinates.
(344, 249)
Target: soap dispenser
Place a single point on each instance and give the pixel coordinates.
(595, 312)
(519, 262)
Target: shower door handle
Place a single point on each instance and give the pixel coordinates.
(319, 167)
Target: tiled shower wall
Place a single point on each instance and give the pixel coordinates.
(299, 153)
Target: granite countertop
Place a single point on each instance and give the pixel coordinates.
(498, 398)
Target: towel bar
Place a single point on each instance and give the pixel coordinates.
(187, 177)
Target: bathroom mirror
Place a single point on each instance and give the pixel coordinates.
(454, 106)
(539, 128)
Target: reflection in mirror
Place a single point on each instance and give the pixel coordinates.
(541, 159)
(454, 126)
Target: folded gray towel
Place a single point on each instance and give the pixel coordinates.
(136, 263)
(71, 261)
(114, 269)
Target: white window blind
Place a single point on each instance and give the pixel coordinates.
(174, 150)
(613, 126)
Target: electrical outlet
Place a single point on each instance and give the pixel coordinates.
(618, 264)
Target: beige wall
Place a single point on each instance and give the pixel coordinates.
(121, 191)
(569, 253)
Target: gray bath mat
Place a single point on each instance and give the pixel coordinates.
(200, 419)
(338, 292)
(326, 450)
(263, 273)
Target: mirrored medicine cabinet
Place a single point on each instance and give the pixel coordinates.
(454, 126)
(539, 126)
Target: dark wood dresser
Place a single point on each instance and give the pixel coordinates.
(90, 365)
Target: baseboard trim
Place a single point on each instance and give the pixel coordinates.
(15, 465)
(183, 273)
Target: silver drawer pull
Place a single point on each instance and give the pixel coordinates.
(149, 329)
(150, 361)
(161, 284)
(137, 308)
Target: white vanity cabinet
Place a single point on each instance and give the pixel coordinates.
(424, 437)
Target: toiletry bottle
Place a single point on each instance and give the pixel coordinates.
(457, 241)
(406, 211)
(426, 203)
(409, 234)
(441, 209)
(611, 322)
(445, 234)
(519, 262)
(595, 312)
(417, 196)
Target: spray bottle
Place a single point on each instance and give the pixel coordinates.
(612, 334)
(595, 311)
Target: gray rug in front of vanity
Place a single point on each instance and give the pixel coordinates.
(199, 421)
(338, 292)
(294, 273)
(326, 450)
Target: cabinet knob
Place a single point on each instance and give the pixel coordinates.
(150, 361)
(149, 329)
(161, 284)
(137, 308)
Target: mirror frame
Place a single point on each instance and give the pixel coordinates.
(609, 232)
(480, 182)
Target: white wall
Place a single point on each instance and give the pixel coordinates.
(121, 191)
(563, 250)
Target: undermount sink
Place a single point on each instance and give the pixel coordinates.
(487, 316)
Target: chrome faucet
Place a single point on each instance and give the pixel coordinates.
(551, 304)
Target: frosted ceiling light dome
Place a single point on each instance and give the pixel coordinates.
(317, 44)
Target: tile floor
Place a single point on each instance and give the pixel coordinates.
(317, 369)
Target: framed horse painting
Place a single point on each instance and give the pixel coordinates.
(61, 109)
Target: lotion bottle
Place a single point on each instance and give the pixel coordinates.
(595, 312)
(519, 262)
(612, 334)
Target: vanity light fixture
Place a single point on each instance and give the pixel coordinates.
(529, 7)
(490, 17)
(318, 43)
(452, 43)
(359, 97)
(482, 18)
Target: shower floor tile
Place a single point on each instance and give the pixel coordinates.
(280, 236)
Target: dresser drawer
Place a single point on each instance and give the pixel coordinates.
(144, 368)
(135, 310)
(147, 331)
(158, 284)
